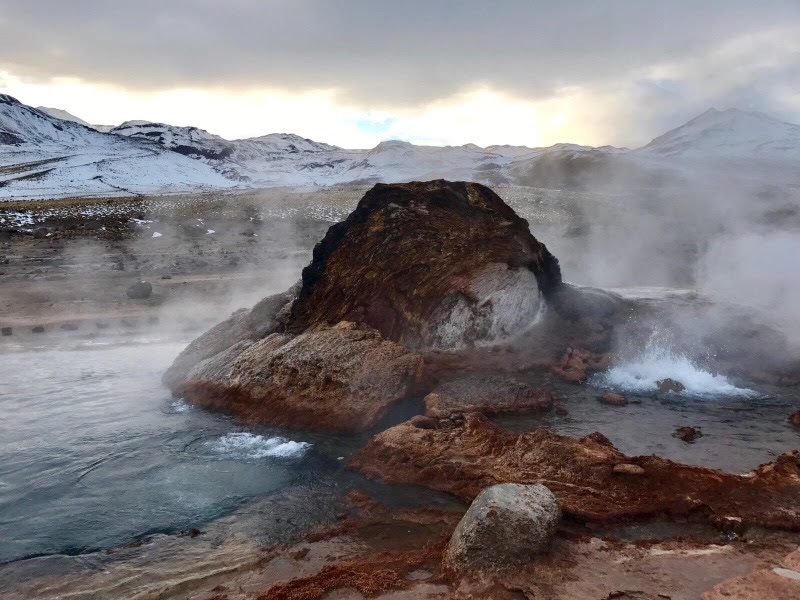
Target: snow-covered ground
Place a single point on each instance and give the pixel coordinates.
(49, 153)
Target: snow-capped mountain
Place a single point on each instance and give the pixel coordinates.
(63, 115)
(730, 133)
(42, 156)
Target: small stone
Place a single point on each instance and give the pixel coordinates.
(69, 327)
(613, 399)
(687, 434)
(166, 277)
(101, 325)
(561, 411)
(6, 331)
(423, 422)
(670, 385)
(38, 329)
(628, 469)
(794, 418)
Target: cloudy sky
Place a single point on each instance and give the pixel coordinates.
(355, 72)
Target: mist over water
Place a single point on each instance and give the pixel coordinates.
(96, 453)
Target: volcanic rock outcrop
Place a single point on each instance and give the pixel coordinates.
(415, 267)
(467, 456)
(429, 265)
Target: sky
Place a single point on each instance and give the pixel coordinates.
(356, 72)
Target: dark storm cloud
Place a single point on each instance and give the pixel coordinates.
(390, 53)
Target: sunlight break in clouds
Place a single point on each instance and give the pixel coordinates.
(481, 116)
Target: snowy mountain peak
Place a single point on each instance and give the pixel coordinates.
(6, 99)
(62, 114)
(730, 133)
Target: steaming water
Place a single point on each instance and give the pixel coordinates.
(95, 453)
(640, 375)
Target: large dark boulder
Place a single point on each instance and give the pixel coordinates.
(430, 265)
(416, 267)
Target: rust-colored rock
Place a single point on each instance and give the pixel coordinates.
(463, 459)
(794, 418)
(687, 434)
(613, 399)
(337, 379)
(487, 394)
(423, 422)
(670, 385)
(433, 264)
(628, 469)
(781, 582)
(575, 364)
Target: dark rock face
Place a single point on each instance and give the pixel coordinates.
(429, 265)
(139, 290)
(592, 480)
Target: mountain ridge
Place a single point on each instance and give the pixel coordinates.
(79, 154)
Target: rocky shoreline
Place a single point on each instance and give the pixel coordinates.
(422, 283)
(435, 302)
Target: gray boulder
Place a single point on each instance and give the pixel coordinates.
(507, 524)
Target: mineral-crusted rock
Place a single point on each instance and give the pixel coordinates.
(575, 364)
(487, 394)
(687, 434)
(613, 399)
(243, 325)
(670, 385)
(430, 265)
(780, 582)
(336, 379)
(507, 524)
(465, 458)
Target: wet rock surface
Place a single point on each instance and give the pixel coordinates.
(486, 393)
(670, 385)
(687, 434)
(463, 458)
(338, 379)
(507, 524)
(576, 364)
(613, 399)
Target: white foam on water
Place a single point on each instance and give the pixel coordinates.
(247, 446)
(639, 375)
(179, 406)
